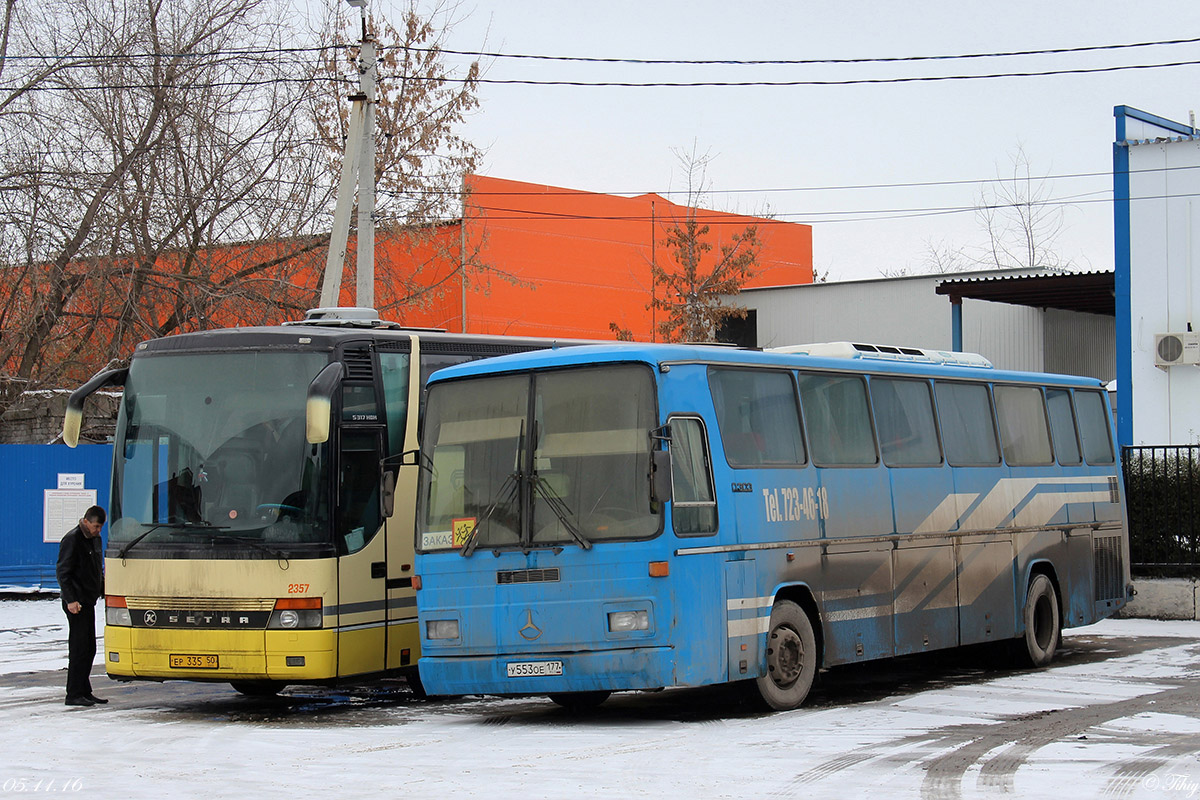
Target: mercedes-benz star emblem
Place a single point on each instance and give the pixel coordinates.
(150, 618)
(529, 631)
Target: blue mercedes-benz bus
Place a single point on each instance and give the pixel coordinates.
(626, 517)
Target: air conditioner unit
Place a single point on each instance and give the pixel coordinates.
(1173, 349)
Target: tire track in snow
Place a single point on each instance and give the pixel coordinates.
(1028, 734)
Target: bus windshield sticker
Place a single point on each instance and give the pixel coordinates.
(461, 531)
(437, 540)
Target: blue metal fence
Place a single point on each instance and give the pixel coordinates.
(26, 471)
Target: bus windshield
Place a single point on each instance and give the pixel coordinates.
(210, 450)
(543, 460)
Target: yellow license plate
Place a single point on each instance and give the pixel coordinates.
(177, 661)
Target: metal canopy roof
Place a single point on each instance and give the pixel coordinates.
(1091, 292)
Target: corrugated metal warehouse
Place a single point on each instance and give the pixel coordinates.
(910, 311)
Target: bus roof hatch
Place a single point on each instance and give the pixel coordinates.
(886, 353)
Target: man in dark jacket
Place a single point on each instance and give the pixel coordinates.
(81, 580)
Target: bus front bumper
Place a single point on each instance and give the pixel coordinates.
(220, 655)
(600, 670)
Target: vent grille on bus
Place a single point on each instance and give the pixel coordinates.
(202, 603)
(358, 365)
(528, 576)
(475, 348)
(1109, 567)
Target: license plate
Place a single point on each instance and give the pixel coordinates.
(534, 669)
(179, 661)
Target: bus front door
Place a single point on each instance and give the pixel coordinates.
(362, 567)
(403, 641)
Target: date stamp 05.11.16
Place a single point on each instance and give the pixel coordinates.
(41, 785)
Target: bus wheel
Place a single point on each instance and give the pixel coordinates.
(257, 688)
(791, 657)
(580, 701)
(1043, 624)
(413, 678)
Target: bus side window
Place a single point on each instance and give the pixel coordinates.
(758, 417)
(1092, 408)
(1062, 426)
(359, 516)
(968, 433)
(694, 504)
(904, 418)
(394, 373)
(839, 422)
(1023, 428)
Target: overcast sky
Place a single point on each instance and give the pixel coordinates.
(796, 138)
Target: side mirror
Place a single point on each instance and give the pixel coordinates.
(73, 419)
(660, 474)
(318, 409)
(387, 493)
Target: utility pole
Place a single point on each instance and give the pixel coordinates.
(653, 280)
(358, 168)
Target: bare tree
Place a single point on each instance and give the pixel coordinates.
(940, 258)
(164, 170)
(1021, 223)
(691, 286)
(167, 132)
(1020, 220)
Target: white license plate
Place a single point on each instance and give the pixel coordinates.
(534, 669)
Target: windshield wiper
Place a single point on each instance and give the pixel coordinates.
(510, 483)
(560, 509)
(153, 526)
(213, 531)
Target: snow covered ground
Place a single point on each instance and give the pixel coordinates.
(1119, 718)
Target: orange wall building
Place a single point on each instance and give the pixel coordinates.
(561, 262)
(542, 261)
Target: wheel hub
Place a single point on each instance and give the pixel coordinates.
(785, 656)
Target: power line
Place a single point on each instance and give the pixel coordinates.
(804, 217)
(706, 216)
(840, 82)
(555, 192)
(153, 87)
(309, 49)
(329, 79)
(796, 62)
(813, 218)
(716, 219)
(127, 56)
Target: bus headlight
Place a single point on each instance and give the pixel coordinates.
(116, 613)
(294, 613)
(441, 629)
(625, 621)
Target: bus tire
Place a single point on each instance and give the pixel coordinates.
(257, 688)
(580, 701)
(791, 658)
(413, 679)
(1043, 624)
